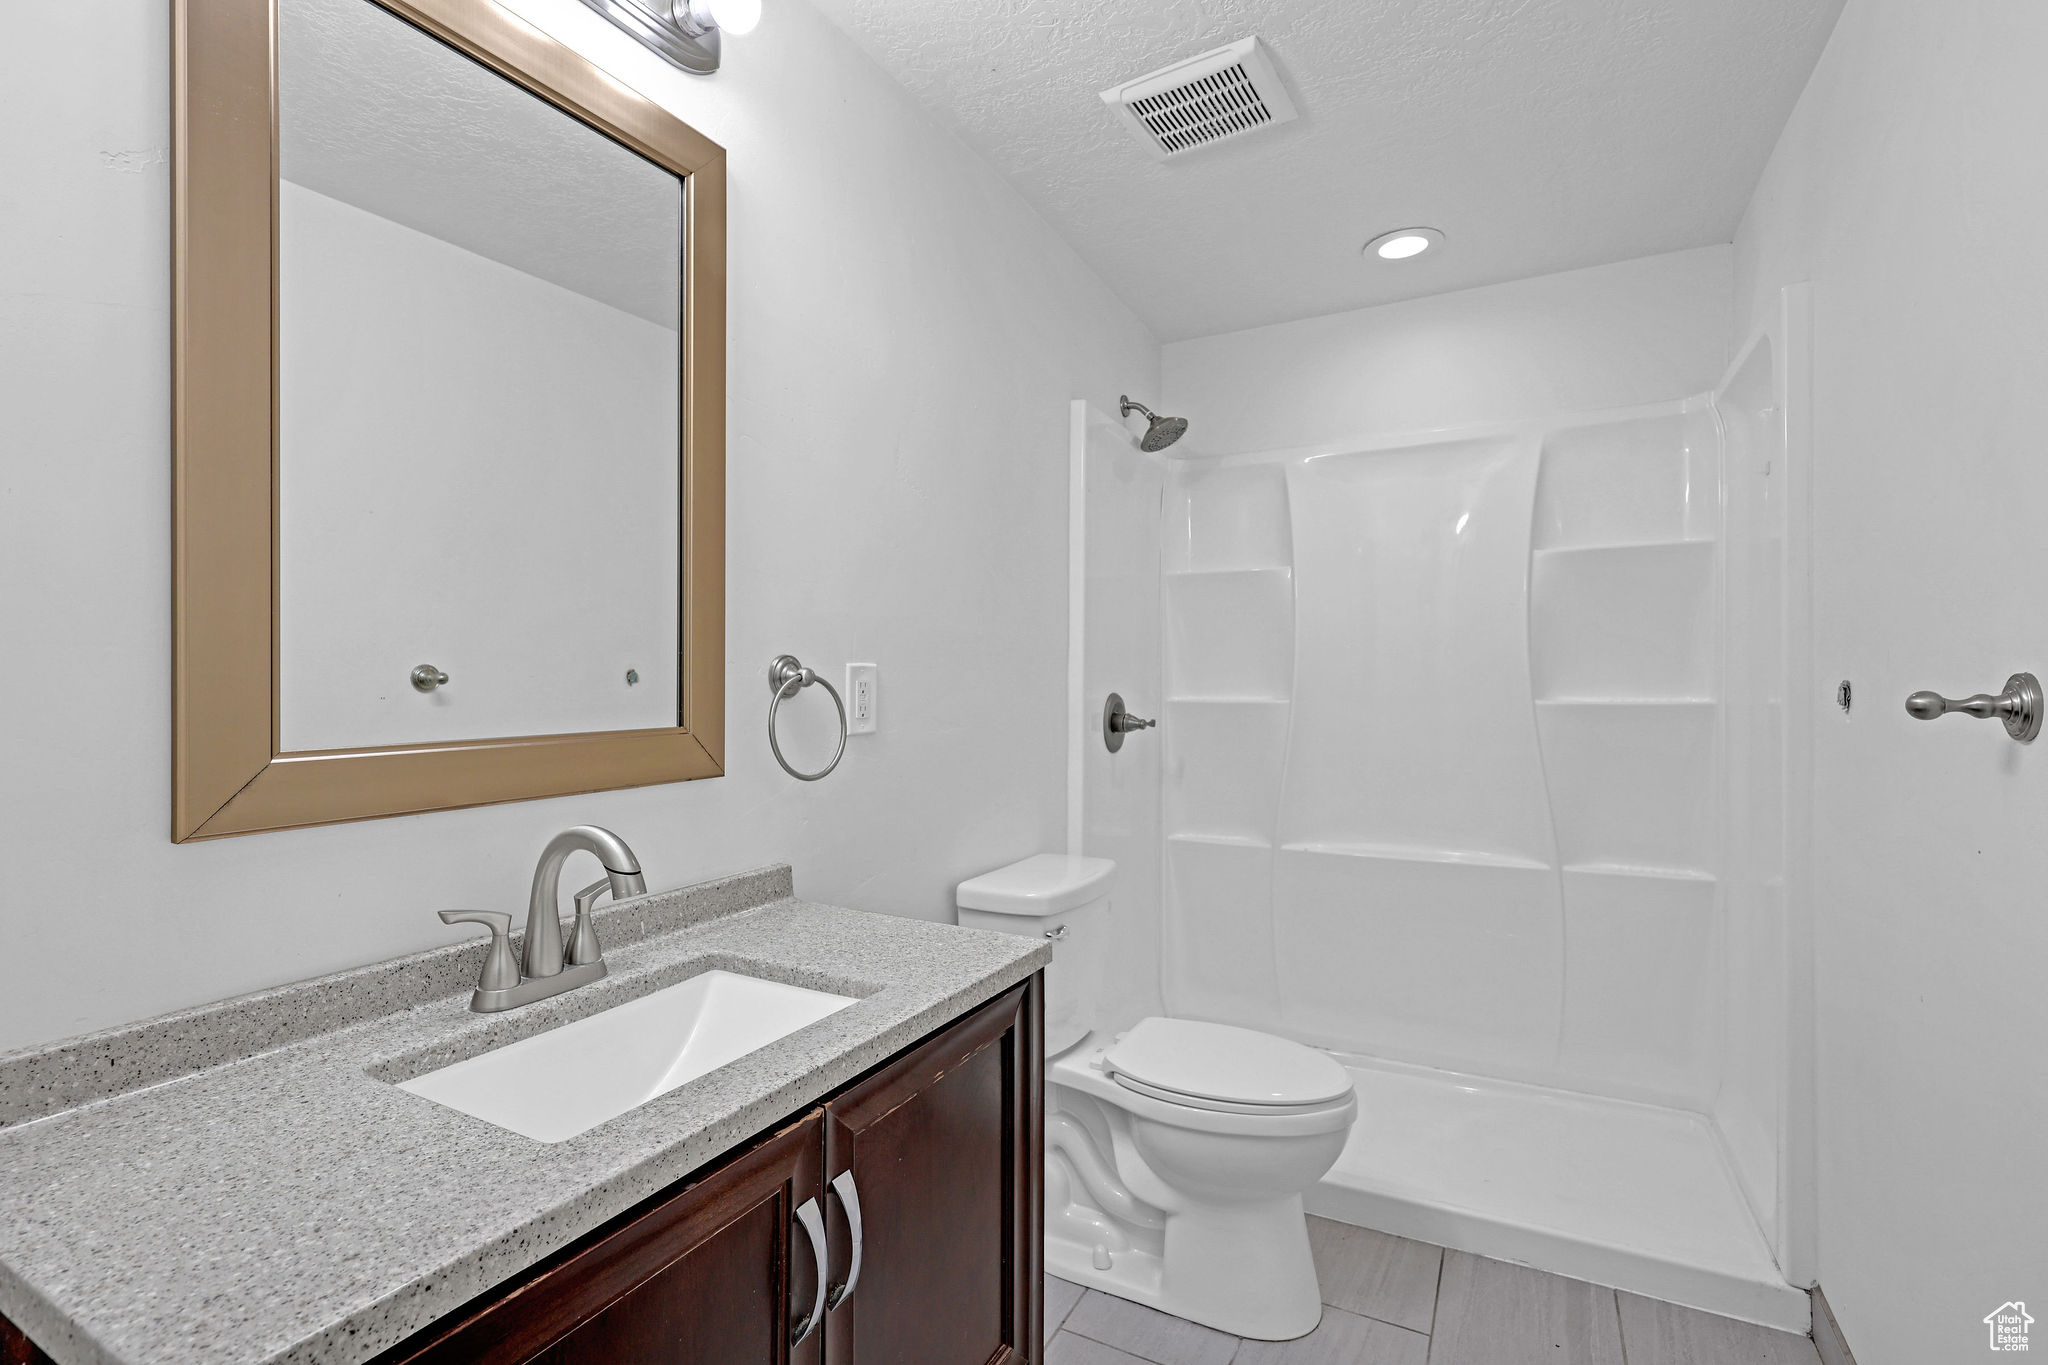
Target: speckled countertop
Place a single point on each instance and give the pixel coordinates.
(245, 1183)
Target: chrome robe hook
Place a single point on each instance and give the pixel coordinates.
(2019, 706)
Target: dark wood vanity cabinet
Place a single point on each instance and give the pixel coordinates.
(938, 1150)
(708, 1272)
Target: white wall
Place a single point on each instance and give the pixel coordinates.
(1909, 187)
(504, 508)
(905, 338)
(1606, 337)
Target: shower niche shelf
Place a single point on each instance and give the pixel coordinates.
(1227, 517)
(1622, 547)
(1649, 477)
(1219, 840)
(1233, 571)
(1403, 853)
(1627, 551)
(1642, 872)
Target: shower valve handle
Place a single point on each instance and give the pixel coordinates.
(1118, 722)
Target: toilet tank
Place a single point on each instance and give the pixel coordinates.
(1063, 897)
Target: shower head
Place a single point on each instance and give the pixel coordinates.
(1160, 432)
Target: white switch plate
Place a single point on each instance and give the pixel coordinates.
(860, 699)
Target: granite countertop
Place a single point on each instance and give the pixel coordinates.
(246, 1183)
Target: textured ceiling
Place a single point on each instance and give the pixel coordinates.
(1539, 135)
(377, 114)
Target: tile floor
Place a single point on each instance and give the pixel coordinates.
(1390, 1301)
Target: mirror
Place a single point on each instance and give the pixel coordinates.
(491, 469)
(479, 390)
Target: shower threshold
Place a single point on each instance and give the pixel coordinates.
(1630, 1195)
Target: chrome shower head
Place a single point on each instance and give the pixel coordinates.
(1160, 432)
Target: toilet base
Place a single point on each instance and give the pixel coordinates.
(1192, 1211)
(1245, 1269)
(1241, 1266)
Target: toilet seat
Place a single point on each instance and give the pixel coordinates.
(1224, 1106)
(1225, 1069)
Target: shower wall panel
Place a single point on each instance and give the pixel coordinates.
(1629, 620)
(1443, 751)
(1414, 832)
(1446, 962)
(1749, 1105)
(1412, 728)
(1639, 1006)
(1219, 942)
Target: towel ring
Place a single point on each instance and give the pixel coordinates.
(787, 677)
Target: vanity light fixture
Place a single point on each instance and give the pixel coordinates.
(683, 33)
(1403, 243)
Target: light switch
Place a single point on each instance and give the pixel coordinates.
(860, 699)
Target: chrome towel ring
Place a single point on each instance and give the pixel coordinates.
(786, 678)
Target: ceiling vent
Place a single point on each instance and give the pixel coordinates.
(1206, 99)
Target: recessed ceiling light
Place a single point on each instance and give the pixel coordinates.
(1402, 243)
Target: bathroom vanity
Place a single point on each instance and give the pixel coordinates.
(248, 1182)
(928, 1164)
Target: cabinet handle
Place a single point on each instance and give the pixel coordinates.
(813, 1223)
(849, 1199)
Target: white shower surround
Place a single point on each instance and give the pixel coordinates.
(1452, 700)
(1496, 801)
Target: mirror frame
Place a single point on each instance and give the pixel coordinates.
(228, 773)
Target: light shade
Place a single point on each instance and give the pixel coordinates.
(1403, 243)
(736, 17)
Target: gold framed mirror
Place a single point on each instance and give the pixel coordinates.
(271, 728)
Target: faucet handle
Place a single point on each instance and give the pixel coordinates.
(583, 948)
(501, 969)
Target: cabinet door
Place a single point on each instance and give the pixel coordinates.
(17, 1349)
(718, 1273)
(944, 1150)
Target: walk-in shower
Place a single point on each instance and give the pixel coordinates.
(1474, 770)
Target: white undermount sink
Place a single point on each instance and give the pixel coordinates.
(554, 1085)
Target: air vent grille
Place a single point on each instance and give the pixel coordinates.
(1207, 110)
(1211, 98)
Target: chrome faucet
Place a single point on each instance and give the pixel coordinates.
(543, 908)
(503, 986)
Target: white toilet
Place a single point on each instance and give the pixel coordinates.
(1176, 1151)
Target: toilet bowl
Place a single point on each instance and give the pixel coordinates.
(1177, 1150)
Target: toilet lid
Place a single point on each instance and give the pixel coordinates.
(1226, 1064)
